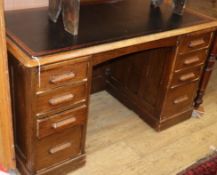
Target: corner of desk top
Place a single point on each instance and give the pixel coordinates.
(30, 61)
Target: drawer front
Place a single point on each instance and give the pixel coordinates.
(186, 76)
(179, 100)
(61, 121)
(60, 97)
(63, 74)
(190, 59)
(195, 41)
(59, 147)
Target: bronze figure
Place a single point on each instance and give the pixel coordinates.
(70, 13)
(178, 5)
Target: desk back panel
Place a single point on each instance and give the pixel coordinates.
(143, 77)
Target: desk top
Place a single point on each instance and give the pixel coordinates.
(205, 7)
(100, 24)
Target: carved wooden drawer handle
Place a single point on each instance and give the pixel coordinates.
(180, 100)
(62, 99)
(196, 43)
(61, 78)
(60, 148)
(187, 77)
(191, 60)
(64, 123)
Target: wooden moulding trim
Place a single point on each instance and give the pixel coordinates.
(29, 62)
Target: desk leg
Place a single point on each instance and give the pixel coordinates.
(206, 74)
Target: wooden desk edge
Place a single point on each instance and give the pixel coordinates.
(89, 51)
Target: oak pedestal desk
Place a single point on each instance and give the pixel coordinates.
(149, 59)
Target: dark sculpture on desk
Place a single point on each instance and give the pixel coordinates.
(70, 13)
(178, 5)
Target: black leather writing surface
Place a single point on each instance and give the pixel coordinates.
(99, 23)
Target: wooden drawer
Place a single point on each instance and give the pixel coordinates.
(60, 74)
(186, 76)
(60, 97)
(58, 147)
(193, 42)
(61, 121)
(179, 100)
(190, 59)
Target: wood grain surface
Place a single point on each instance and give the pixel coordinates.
(6, 136)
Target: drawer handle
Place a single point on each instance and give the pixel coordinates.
(180, 100)
(62, 99)
(64, 123)
(60, 148)
(187, 77)
(196, 43)
(61, 78)
(191, 60)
